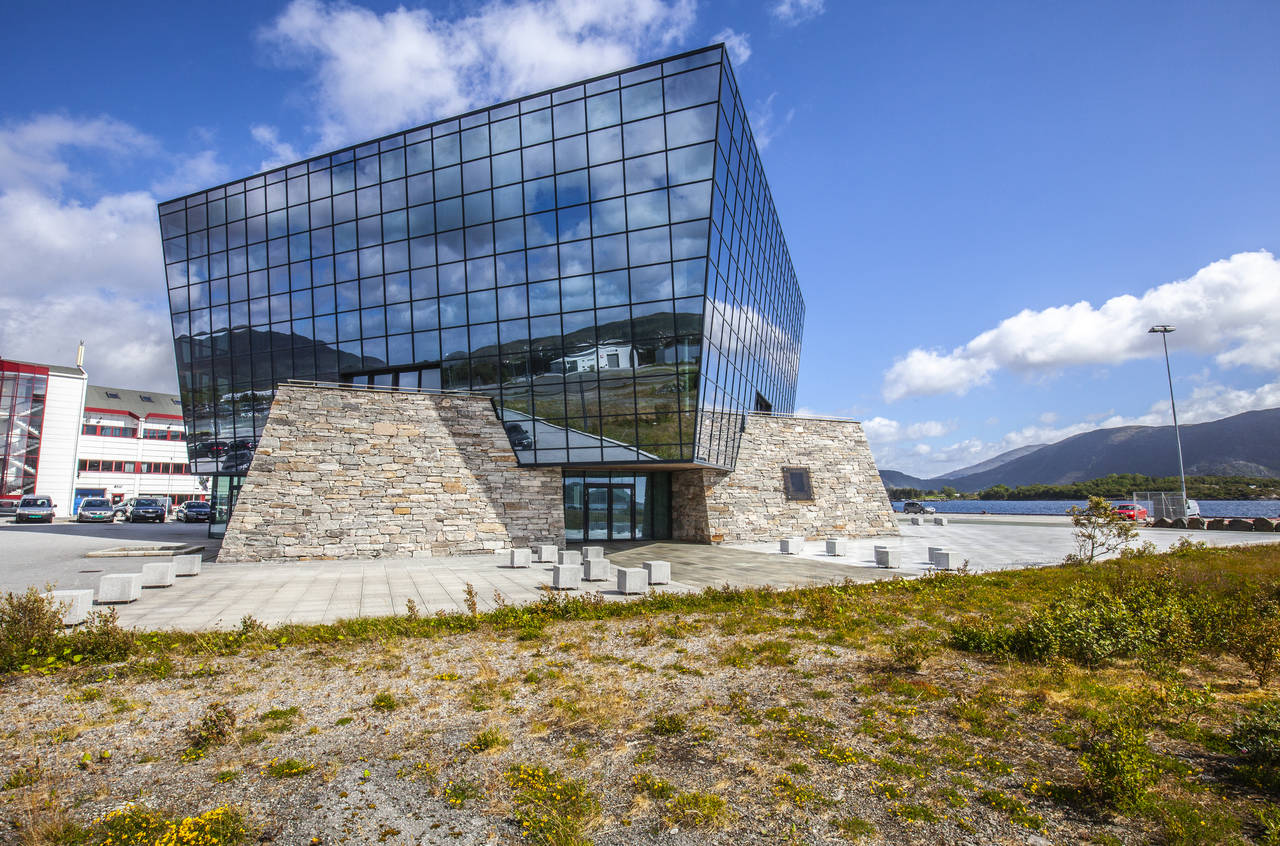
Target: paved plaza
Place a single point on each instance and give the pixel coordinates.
(323, 592)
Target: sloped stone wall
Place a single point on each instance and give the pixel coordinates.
(749, 503)
(351, 474)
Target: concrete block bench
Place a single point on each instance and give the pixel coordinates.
(837, 546)
(887, 558)
(518, 557)
(74, 605)
(589, 552)
(158, 574)
(791, 546)
(596, 570)
(632, 580)
(933, 554)
(546, 553)
(942, 560)
(566, 576)
(186, 565)
(939, 521)
(570, 556)
(120, 587)
(915, 521)
(658, 572)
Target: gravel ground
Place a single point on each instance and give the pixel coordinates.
(587, 699)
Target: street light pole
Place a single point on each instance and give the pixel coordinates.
(1163, 331)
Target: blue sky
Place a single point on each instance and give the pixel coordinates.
(986, 203)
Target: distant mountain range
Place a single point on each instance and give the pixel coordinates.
(1247, 444)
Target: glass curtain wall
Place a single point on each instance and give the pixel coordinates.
(22, 399)
(754, 308)
(549, 252)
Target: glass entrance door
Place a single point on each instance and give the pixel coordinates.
(610, 511)
(621, 521)
(616, 505)
(597, 512)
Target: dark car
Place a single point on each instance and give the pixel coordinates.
(144, 508)
(208, 449)
(192, 511)
(95, 509)
(913, 507)
(34, 509)
(518, 436)
(237, 460)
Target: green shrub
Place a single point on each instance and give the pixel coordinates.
(216, 727)
(30, 628)
(384, 702)
(1255, 636)
(551, 809)
(666, 725)
(288, 768)
(459, 793)
(1138, 615)
(1118, 765)
(32, 636)
(1257, 735)
(224, 826)
(490, 738)
(22, 777)
(653, 786)
(911, 650)
(853, 828)
(696, 810)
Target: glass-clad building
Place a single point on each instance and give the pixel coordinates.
(604, 260)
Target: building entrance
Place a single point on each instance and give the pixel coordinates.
(611, 506)
(610, 512)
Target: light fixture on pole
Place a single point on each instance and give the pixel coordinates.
(1163, 331)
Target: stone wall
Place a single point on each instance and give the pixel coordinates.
(349, 473)
(749, 503)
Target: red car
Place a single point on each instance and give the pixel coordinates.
(1131, 511)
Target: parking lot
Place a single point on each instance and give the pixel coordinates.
(39, 554)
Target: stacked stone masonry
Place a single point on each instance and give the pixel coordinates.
(358, 474)
(749, 503)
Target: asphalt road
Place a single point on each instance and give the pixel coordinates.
(39, 554)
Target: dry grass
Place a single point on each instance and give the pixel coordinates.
(768, 717)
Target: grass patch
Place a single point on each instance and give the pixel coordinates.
(550, 808)
(490, 738)
(288, 768)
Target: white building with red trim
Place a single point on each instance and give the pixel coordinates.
(133, 443)
(63, 438)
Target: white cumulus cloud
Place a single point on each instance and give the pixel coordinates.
(33, 153)
(1225, 309)
(373, 73)
(80, 265)
(792, 12)
(279, 152)
(737, 43)
(882, 430)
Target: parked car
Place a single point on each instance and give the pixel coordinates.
(192, 511)
(208, 449)
(95, 509)
(1131, 511)
(237, 460)
(144, 508)
(34, 509)
(913, 507)
(518, 435)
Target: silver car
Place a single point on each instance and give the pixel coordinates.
(95, 510)
(34, 509)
